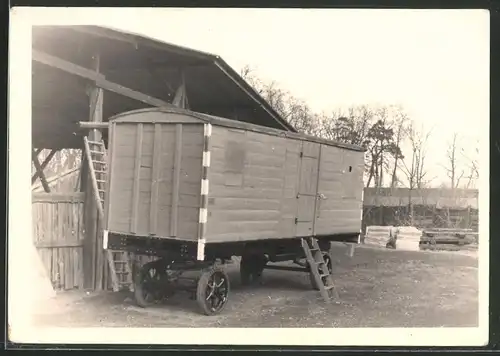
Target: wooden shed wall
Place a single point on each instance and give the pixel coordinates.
(254, 180)
(343, 189)
(252, 186)
(58, 235)
(155, 181)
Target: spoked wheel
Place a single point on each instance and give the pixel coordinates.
(212, 291)
(251, 268)
(328, 261)
(147, 285)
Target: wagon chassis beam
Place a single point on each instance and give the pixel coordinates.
(288, 268)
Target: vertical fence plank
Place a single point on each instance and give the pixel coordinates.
(58, 235)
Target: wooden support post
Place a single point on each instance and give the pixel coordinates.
(93, 251)
(44, 164)
(78, 184)
(180, 99)
(39, 169)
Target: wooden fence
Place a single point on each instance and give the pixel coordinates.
(424, 217)
(58, 234)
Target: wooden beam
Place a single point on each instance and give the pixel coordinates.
(96, 107)
(57, 197)
(44, 164)
(56, 178)
(87, 125)
(110, 35)
(96, 77)
(96, 115)
(40, 172)
(137, 179)
(132, 94)
(180, 99)
(155, 177)
(78, 183)
(65, 66)
(253, 96)
(137, 41)
(59, 244)
(177, 179)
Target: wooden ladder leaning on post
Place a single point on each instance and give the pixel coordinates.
(119, 262)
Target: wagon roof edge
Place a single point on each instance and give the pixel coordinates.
(219, 121)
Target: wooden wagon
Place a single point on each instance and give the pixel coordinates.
(197, 190)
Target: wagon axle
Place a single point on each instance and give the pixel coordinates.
(155, 281)
(206, 281)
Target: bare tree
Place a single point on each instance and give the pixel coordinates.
(381, 147)
(351, 127)
(415, 170)
(400, 133)
(453, 170)
(472, 165)
(379, 129)
(292, 109)
(371, 127)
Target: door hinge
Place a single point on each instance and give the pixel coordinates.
(301, 154)
(296, 221)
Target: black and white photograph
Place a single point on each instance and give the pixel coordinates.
(258, 176)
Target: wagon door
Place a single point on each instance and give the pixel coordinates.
(307, 189)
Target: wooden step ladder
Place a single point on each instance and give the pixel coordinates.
(118, 261)
(319, 269)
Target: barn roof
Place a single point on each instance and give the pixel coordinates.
(132, 116)
(440, 198)
(60, 100)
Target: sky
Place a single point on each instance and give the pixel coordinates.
(434, 63)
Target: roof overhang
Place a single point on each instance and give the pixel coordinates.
(146, 66)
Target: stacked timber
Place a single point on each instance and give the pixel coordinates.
(377, 235)
(447, 238)
(408, 238)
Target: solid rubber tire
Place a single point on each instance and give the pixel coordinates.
(138, 288)
(202, 285)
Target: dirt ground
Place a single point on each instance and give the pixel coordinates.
(377, 287)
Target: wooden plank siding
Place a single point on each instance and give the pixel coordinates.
(156, 180)
(261, 185)
(58, 235)
(342, 187)
(245, 185)
(256, 197)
